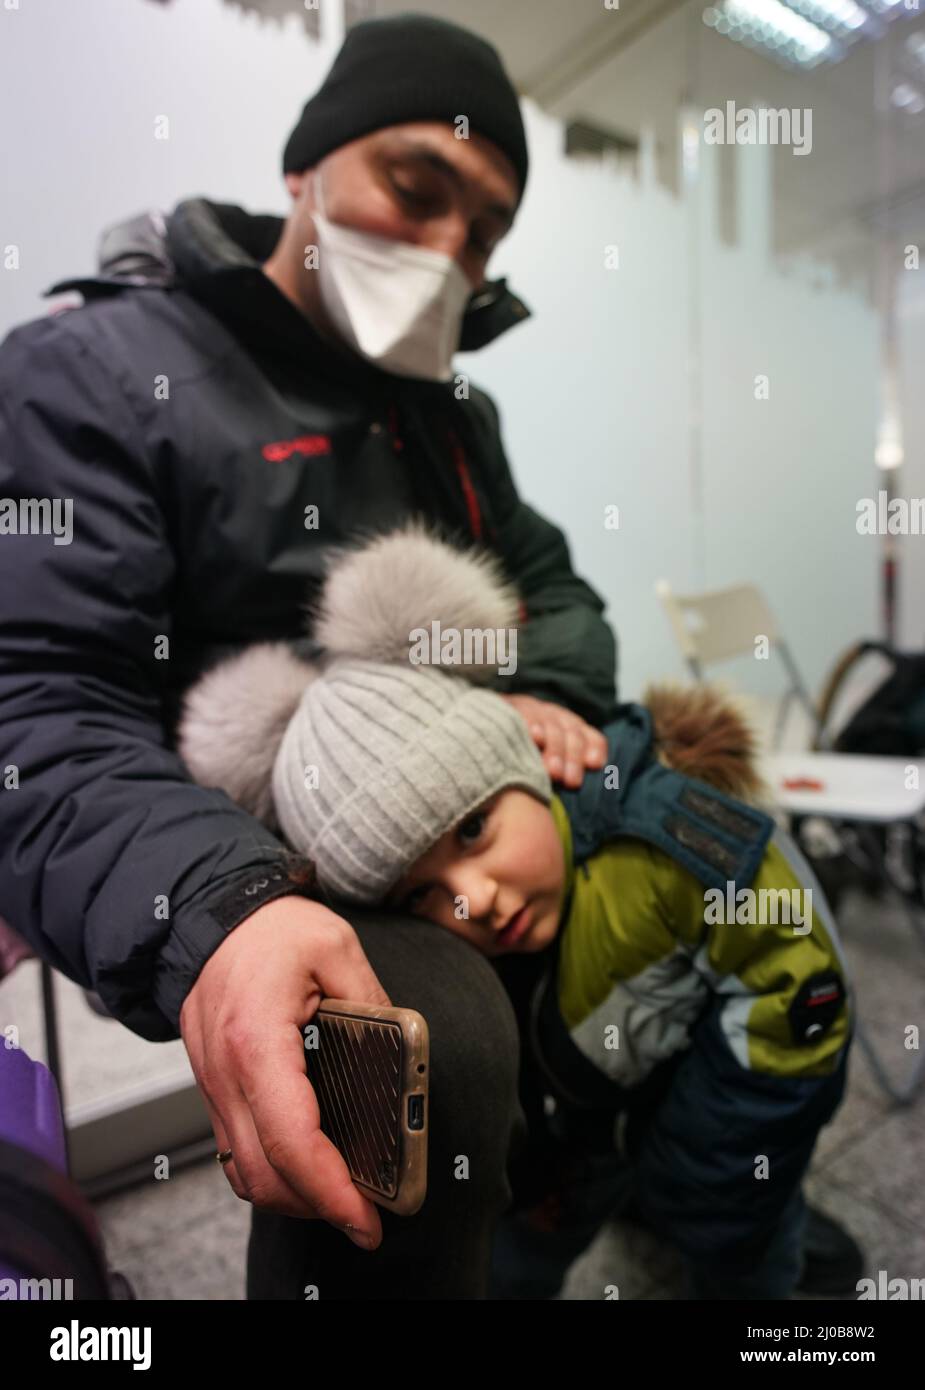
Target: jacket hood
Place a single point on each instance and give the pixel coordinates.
(202, 240)
(701, 732)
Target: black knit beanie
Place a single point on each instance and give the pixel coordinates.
(409, 67)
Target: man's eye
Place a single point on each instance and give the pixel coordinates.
(410, 196)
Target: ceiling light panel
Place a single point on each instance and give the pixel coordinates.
(774, 28)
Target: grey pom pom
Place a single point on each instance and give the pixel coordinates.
(375, 597)
(233, 721)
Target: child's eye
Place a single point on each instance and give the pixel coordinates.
(416, 897)
(471, 828)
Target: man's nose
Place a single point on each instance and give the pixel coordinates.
(450, 234)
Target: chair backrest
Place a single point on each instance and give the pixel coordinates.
(716, 626)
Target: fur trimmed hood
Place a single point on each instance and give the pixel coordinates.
(704, 733)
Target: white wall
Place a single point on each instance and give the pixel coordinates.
(599, 405)
(910, 550)
(81, 85)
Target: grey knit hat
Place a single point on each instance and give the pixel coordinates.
(386, 746)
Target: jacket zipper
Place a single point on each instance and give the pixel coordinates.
(470, 496)
(397, 442)
(469, 493)
(472, 504)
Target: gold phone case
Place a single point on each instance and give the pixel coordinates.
(369, 1067)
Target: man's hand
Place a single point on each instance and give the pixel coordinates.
(569, 744)
(241, 1024)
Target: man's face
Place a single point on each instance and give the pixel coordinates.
(414, 182)
(502, 862)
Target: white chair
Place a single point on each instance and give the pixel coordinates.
(848, 791)
(725, 623)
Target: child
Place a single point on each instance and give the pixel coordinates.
(692, 979)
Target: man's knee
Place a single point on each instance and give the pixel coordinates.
(474, 1043)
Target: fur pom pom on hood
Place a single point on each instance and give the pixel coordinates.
(376, 593)
(702, 732)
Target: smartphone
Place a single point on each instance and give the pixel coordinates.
(369, 1067)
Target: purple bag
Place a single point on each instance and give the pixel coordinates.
(50, 1243)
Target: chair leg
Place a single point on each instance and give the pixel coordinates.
(903, 1094)
(783, 709)
(52, 1050)
(798, 689)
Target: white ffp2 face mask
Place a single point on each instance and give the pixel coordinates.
(398, 305)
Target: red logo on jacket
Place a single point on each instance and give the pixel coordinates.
(305, 444)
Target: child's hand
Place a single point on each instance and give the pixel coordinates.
(569, 745)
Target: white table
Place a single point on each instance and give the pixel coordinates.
(854, 786)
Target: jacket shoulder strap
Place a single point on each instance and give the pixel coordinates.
(716, 837)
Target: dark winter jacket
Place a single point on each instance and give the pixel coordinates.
(193, 419)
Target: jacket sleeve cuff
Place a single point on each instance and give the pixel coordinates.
(207, 923)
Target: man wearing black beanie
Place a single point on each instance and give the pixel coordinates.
(417, 136)
(409, 68)
(305, 392)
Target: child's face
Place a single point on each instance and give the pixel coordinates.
(480, 876)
